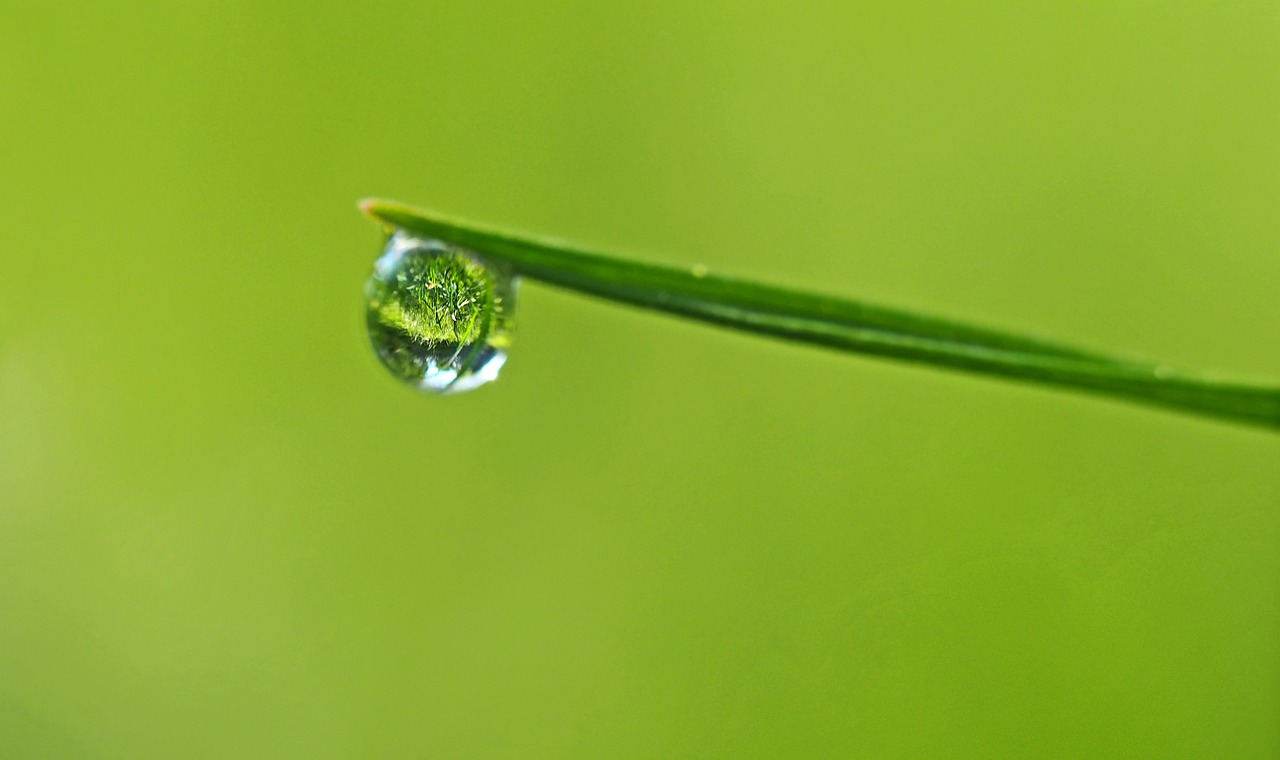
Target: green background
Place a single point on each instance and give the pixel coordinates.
(225, 531)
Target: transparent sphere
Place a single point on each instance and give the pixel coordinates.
(439, 317)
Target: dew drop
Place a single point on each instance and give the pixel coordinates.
(439, 316)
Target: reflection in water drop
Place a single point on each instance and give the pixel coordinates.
(439, 318)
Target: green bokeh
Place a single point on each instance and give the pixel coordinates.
(226, 531)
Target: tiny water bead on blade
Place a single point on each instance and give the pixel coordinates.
(439, 316)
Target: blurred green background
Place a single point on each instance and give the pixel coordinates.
(225, 531)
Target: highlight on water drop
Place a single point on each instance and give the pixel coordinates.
(439, 316)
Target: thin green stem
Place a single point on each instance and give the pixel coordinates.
(844, 324)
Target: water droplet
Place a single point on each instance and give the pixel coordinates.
(439, 316)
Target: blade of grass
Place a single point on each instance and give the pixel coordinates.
(843, 324)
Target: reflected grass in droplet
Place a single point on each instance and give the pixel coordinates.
(439, 317)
